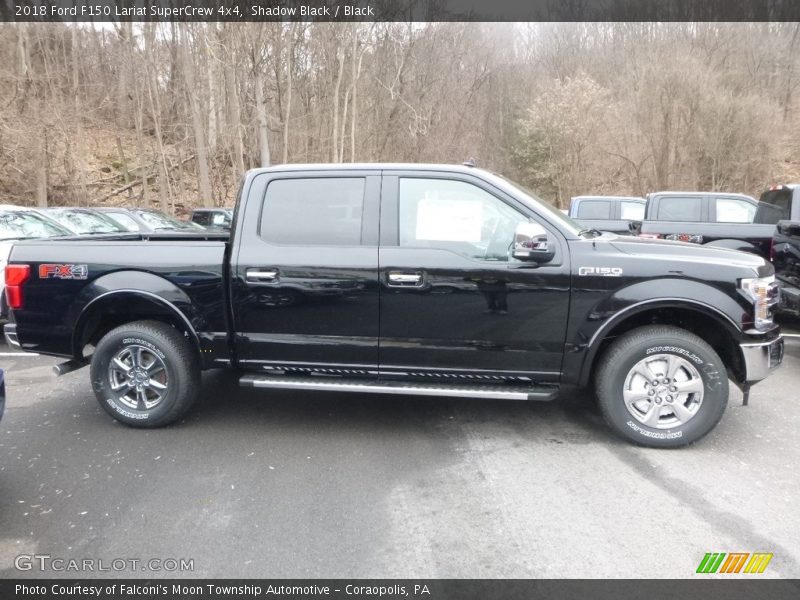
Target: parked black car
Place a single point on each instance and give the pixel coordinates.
(781, 205)
(536, 302)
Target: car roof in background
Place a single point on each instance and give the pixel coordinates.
(697, 193)
(632, 198)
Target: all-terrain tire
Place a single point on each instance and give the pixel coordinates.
(628, 401)
(160, 390)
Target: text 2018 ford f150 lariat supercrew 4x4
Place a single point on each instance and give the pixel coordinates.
(405, 279)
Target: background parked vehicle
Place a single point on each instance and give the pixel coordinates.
(710, 218)
(781, 205)
(607, 213)
(19, 223)
(212, 217)
(538, 302)
(82, 221)
(147, 220)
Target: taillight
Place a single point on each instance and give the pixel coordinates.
(16, 275)
(772, 250)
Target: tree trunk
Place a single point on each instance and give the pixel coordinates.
(155, 108)
(261, 114)
(41, 171)
(197, 126)
(287, 117)
(337, 85)
(80, 149)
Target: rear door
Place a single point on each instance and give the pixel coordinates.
(305, 271)
(453, 302)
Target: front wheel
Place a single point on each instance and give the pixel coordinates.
(661, 386)
(145, 374)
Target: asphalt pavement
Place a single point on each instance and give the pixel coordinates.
(303, 484)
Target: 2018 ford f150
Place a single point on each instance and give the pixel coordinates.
(405, 279)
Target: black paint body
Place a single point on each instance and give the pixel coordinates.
(332, 308)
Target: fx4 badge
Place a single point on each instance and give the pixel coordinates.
(48, 271)
(600, 271)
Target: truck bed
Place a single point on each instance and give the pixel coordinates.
(742, 236)
(135, 265)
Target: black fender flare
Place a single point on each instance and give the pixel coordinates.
(709, 307)
(122, 286)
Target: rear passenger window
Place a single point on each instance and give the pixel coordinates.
(316, 212)
(734, 210)
(594, 209)
(679, 208)
(631, 211)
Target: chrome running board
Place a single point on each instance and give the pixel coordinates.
(337, 384)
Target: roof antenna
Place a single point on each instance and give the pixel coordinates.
(470, 162)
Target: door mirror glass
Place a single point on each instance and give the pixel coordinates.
(531, 242)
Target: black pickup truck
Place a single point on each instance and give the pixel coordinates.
(781, 205)
(404, 279)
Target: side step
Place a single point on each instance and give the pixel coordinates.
(336, 384)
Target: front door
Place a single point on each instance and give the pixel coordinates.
(453, 300)
(305, 281)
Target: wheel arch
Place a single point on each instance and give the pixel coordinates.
(704, 320)
(113, 308)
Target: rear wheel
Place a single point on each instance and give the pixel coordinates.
(145, 374)
(661, 386)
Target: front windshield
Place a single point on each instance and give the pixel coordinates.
(158, 220)
(123, 219)
(85, 222)
(16, 225)
(518, 190)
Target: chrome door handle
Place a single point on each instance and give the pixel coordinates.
(397, 278)
(262, 275)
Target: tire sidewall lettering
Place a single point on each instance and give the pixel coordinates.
(138, 341)
(126, 413)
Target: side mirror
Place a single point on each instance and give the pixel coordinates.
(531, 243)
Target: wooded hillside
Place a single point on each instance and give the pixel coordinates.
(172, 115)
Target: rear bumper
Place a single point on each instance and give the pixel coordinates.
(760, 358)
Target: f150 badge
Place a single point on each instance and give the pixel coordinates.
(48, 271)
(601, 271)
